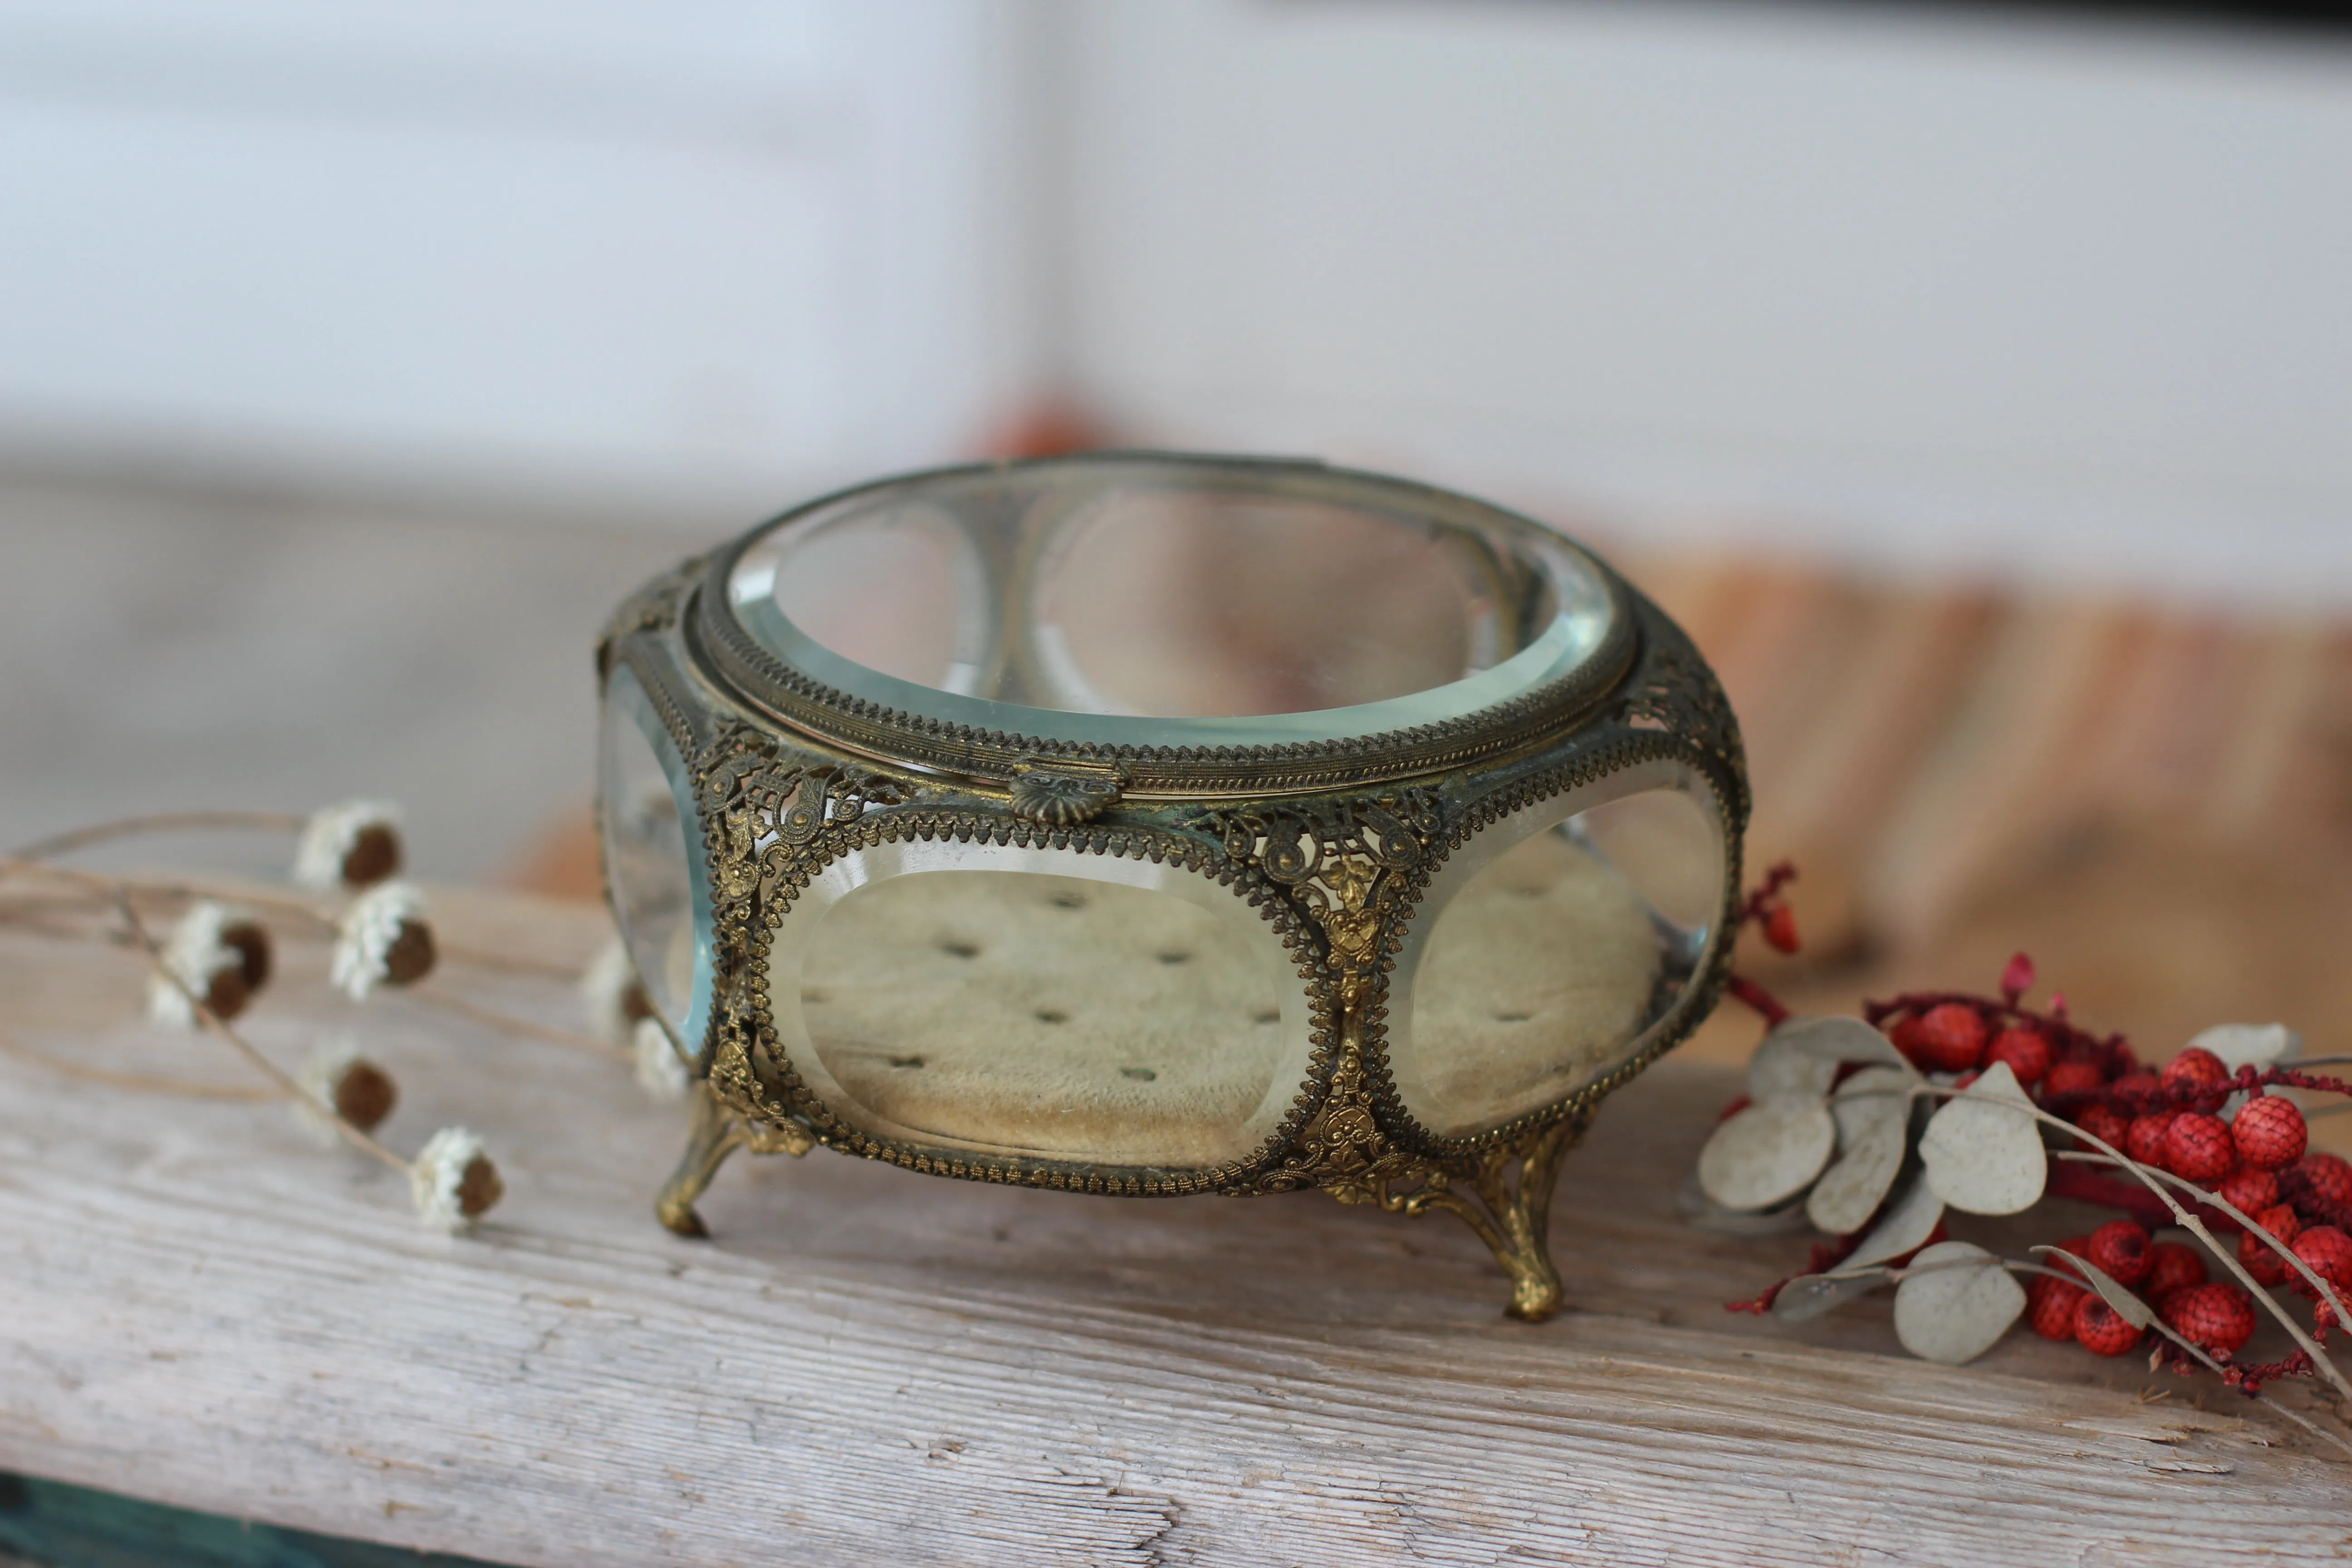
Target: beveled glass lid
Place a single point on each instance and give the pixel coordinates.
(1148, 601)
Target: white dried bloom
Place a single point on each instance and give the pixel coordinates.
(383, 939)
(353, 845)
(661, 1071)
(612, 998)
(337, 1076)
(453, 1182)
(217, 952)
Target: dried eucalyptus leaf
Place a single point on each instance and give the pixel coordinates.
(1887, 1088)
(1782, 1069)
(1695, 1206)
(1873, 1116)
(1811, 1295)
(1955, 1313)
(2128, 1306)
(1984, 1156)
(1910, 1219)
(1771, 1151)
(1840, 1040)
(2257, 1044)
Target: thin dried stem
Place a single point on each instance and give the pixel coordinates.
(321, 919)
(107, 889)
(2197, 1351)
(2020, 1265)
(2188, 1222)
(57, 919)
(161, 822)
(243, 1048)
(2318, 1281)
(138, 1081)
(507, 962)
(497, 1019)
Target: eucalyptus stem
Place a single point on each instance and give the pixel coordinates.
(2319, 1280)
(2189, 1222)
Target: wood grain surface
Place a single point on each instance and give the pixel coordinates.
(869, 1366)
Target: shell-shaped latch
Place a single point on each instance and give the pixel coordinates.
(1059, 800)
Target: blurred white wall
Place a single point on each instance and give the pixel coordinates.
(706, 253)
(1920, 290)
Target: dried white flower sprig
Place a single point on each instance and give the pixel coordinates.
(383, 940)
(353, 845)
(217, 955)
(338, 1077)
(453, 1181)
(661, 1071)
(218, 951)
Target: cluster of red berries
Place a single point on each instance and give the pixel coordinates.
(2258, 1161)
(2217, 1315)
(2176, 1126)
(2168, 1120)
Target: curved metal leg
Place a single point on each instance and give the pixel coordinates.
(1514, 1219)
(718, 1132)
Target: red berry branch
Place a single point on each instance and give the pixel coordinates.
(1768, 911)
(2203, 1142)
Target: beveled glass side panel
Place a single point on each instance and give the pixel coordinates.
(1547, 964)
(1158, 601)
(1664, 843)
(653, 856)
(1049, 1016)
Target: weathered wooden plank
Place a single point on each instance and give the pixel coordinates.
(868, 1367)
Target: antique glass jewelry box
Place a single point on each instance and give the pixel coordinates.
(1149, 825)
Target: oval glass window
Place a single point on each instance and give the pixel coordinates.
(1550, 960)
(653, 860)
(1116, 1016)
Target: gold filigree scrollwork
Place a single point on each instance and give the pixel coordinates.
(1678, 694)
(1342, 863)
(1346, 871)
(1343, 868)
(765, 812)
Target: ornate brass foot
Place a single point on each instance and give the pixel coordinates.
(717, 1133)
(1515, 1221)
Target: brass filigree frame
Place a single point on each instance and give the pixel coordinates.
(1333, 845)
